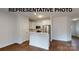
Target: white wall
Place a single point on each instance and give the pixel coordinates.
(22, 28)
(32, 24)
(75, 27)
(13, 28)
(61, 28)
(8, 29)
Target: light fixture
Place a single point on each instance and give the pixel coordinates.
(40, 16)
(75, 19)
(35, 14)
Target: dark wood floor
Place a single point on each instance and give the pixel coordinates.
(60, 46)
(21, 47)
(65, 46)
(54, 46)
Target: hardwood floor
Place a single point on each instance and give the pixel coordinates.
(60, 46)
(54, 46)
(65, 46)
(21, 47)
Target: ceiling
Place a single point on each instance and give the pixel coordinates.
(46, 15)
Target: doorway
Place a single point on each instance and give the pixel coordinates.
(40, 35)
(75, 33)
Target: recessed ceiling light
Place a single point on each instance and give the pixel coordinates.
(35, 14)
(40, 16)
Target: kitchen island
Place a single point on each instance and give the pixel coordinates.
(39, 39)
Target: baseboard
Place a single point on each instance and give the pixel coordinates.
(4, 45)
(20, 42)
(39, 48)
(62, 41)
